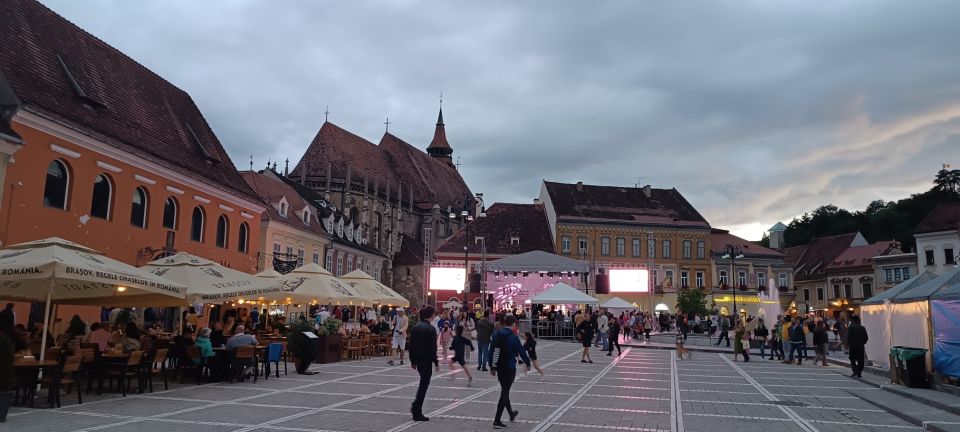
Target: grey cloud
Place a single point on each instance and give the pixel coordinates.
(756, 111)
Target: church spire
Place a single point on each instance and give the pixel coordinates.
(439, 147)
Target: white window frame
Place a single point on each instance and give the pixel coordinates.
(565, 244)
(621, 246)
(722, 277)
(637, 246)
(605, 246)
(700, 281)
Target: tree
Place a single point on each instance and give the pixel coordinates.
(947, 180)
(692, 300)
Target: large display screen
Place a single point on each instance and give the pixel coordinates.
(629, 280)
(447, 278)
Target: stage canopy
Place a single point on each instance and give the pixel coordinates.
(538, 261)
(617, 303)
(562, 293)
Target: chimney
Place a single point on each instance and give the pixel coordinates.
(579, 186)
(536, 201)
(286, 167)
(646, 191)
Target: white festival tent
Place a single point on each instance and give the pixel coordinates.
(372, 289)
(57, 270)
(562, 293)
(538, 261)
(905, 316)
(876, 314)
(617, 303)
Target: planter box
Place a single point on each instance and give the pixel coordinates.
(328, 348)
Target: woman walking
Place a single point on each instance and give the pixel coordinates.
(820, 341)
(585, 332)
(740, 333)
(681, 349)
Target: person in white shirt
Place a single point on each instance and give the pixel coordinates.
(324, 314)
(602, 323)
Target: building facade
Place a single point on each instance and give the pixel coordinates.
(810, 262)
(112, 156)
(749, 273)
(850, 279)
(393, 191)
(623, 227)
(893, 267)
(938, 242)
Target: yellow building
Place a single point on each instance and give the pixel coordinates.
(622, 227)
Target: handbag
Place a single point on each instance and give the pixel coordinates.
(473, 334)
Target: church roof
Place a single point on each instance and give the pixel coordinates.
(61, 72)
(946, 217)
(440, 134)
(432, 179)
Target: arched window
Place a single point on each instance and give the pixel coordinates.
(171, 213)
(138, 208)
(196, 224)
(244, 238)
(102, 195)
(57, 186)
(223, 229)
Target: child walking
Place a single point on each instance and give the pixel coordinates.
(530, 345)
(681, 350)
(446, 336)
(459, 347)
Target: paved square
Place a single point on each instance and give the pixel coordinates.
(642, 390)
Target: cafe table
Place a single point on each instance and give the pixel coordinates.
(29, 370)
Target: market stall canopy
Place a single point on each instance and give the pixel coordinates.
(562, 293)
(661, 307)
(311, 283)
(538, 261)
(452, 304)
(66, 272)
(617, 303)
(906, 285)
(922, 292)
(373, 290)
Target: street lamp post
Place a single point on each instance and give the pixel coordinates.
(733, 252)
(466, 218)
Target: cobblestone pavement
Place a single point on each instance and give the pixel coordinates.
(641, 390)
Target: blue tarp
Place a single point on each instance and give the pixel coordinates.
(945, 315)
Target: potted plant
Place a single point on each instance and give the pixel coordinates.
(6, 376)
(301, 347)
(329, 341)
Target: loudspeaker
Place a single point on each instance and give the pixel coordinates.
(603, 284)
(490, 301)
(475, 282)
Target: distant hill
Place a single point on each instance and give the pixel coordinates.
(881, 220)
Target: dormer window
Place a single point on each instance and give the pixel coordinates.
(283, 207)
(306, 216)
(514, 241)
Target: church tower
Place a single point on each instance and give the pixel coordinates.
(439, 147)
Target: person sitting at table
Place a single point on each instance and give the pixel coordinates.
(203, 341)
(124, 338)
(241, 339)
(216, 335)
(99, 335)
(381, 326)
(365, 329)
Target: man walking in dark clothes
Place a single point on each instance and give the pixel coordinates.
(503, 365)
(613, 337)
(423, 357)
(856, 343)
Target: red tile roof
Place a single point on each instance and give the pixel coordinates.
(439, 135)
(433, 180)
(946, 217)
(860, 256)
(271, 190)
(503, 221)
(819, 253)
(719, 239)
(623, 204)
(123, 103)
(794, 254)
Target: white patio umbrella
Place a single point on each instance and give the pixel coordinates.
(373, 290)
(311, 283)
(269, 274)
(209, 282)
(57, 270)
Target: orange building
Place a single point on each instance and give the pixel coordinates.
(110, 155)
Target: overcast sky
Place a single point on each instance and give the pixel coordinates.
(757, 111)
